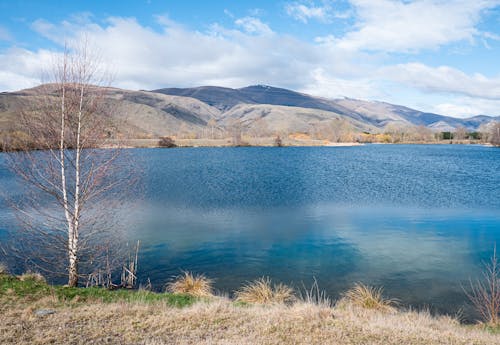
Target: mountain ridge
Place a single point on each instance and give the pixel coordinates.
(257, 110)
(256, 94)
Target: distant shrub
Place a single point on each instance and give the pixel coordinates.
(261, 291)
(278, 142)
(166, 142)
(495, 134)
(474, 135)
(446, 135)
(369, 297)
(193, 285)
(33, 276)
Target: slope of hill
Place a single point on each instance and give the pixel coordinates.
(373, 114)
(259, 110)
(135, 114)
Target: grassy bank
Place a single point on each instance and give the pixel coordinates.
(93, 315)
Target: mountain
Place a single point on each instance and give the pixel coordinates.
(371, 113)
(260, 110)
(135, 114)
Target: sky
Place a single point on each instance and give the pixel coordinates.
(439, 56)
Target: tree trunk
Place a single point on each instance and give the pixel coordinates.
(73, 269)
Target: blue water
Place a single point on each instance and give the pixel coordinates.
(417, 220)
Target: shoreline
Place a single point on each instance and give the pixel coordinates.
(269, 142)
(259, 142)
(35, 312)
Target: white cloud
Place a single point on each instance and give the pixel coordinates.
(304, 12)
(466, 107)
(253, 25)
(22, 68)
(144, 58)
(409, 26)
(251, 53)
(324, 83)
(443, 79)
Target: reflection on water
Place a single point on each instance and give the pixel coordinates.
(416, 219)
(422, 257)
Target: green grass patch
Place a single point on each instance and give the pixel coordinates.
(12, 287)
(494, 329)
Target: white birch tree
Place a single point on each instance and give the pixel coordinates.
(65, 215)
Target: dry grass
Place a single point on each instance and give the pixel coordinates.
(485, 294)
(261, 291)
(3, 268)
(369, 297)
(190, 284)
(221, 322)
(34, 276)
(126, 320)
(314, 295)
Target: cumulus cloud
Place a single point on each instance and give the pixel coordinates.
(250, 52)
(145, 58)
(303, 12)
(409, 26)
(22, 68)
(444, 79)
(467, 106)
(253, 25)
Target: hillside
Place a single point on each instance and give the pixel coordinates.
(257, 111)
(372, 114)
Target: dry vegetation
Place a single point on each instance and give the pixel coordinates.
(369, 297)
(97, 316)
(191, 284)
(262, 291)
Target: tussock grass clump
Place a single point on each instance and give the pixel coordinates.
(190, 284)
(33, 276)
(261, 291)
(369, 297)
(3, 269)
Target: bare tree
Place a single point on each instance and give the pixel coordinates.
(63, 214)
(211, 124)
(460, 133)
(235, 129)
(495, 134)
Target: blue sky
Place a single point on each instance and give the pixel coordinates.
(432, 55)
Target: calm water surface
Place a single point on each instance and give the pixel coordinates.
(417, 220)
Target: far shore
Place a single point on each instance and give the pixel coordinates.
(270, 142)
(263, 142)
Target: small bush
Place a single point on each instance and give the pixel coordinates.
(278, 142)
(33, 276)
(485, 294)
(370, 298)
(261, 291)
(166, 142)
(193, 285)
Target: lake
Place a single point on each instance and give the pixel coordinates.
(415, 219)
